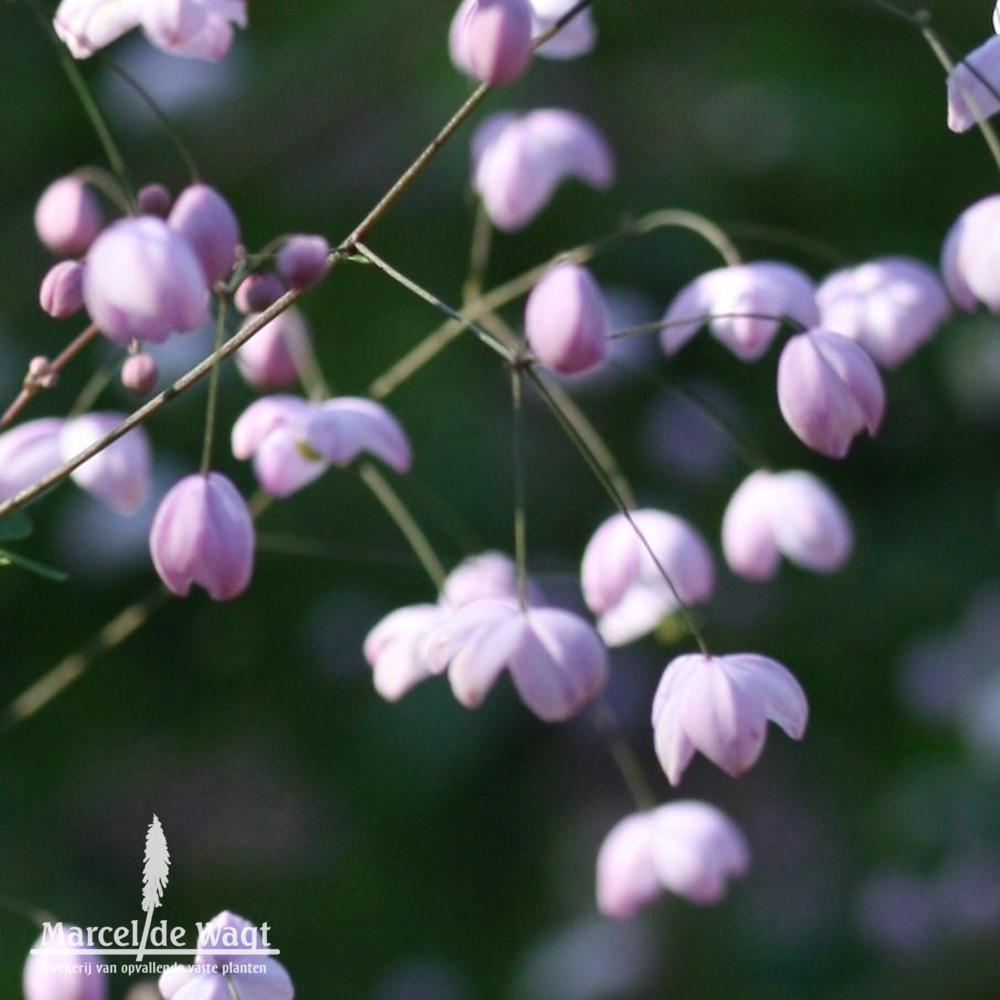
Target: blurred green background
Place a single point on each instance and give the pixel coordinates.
(418, 851)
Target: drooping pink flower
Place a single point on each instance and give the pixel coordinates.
(556, 660)
(222, 946)
(207, 222)
(118, 475)
(973, 86)
(687, 847)
(518, 162)
(144, 281)
(890, 306)
(970, 256)
(565, 320)
(61, 293)
(303, 260)
(49, 975)
(624, 586)
(720, 706)
(829, 390)
(743, 307)
(268, 360)
(293, 441)
(790, 514)
(489, 575)
(67, 217)
(203, 533)
(576, 38)
(201, 29)
(491, 39)
(28, 452)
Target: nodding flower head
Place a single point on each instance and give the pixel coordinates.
(67, 217)
(491, 39)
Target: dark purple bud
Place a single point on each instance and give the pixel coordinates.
(154, 199)
(257, 292)
(303, 260)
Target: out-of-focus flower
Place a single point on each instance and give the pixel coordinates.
(623, 574)
(61, 293)
(743, 306)
(153, 199)
(556, 660)
(268, 359)
(201, 29)
(890, 306)
(28, 452)
(489, 575)
(67, 217)
(303, 260)
(60, 976)
(576, 38)
(720, 705)
(565, 320)
(203, 533)
(518, 162)
(790, 514)
(686, 847)
(144, 281)
(118, 475)
(292, 441)
(205, 219)
(973, 86)
(491, 39)
(996, 18)
(257, 292)
(139, 373)
(970, 256)
(222, 957)
(829, 390)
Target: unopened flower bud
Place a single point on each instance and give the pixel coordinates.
(303, 260)
(67, 217)
(61, 293)
(139, 374)
(154, 199)
(204, 219)
(491, 39)
(257, 292)
(268, 359)
(41, 373)
(565, 321)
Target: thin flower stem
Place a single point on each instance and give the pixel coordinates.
(213, 390)
(479, 255)
(520, 491)
(674, 218)
(606, 724)
(69, 669)
(411, 531)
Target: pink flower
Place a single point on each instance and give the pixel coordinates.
(790, 514)
(67, 217)
(118, 475)
(489, 575)
(303, 260)
(205, 220)
(61, 293)
(139, 373)
(890, 306)
(143, 281)
(518, 163)
(743, 306)
(575, 38)
(970, 257)
(687, 847)
(556, 660)
(624, 586)
(565, 320)
(222, 943)
(203, 533)
(973, 86)
(28, 452)
(720, 705)
(201, 29)
(50, 976)
(268, 360)
(829, 390)
(292, 441)
(491, 39)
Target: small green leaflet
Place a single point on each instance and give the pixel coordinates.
(8, 558)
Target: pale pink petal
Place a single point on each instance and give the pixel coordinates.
(627, 878)
(340, 429)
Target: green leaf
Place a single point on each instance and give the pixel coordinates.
(15, 526)
(8, 558)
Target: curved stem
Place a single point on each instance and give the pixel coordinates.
(606, 724)
(520, 492)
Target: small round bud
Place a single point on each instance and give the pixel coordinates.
(139, 374)
(204, 219)
(257, 292)
(61, 293)
(154, 199)
(303, 260)
(41, 372)
(67, 217)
